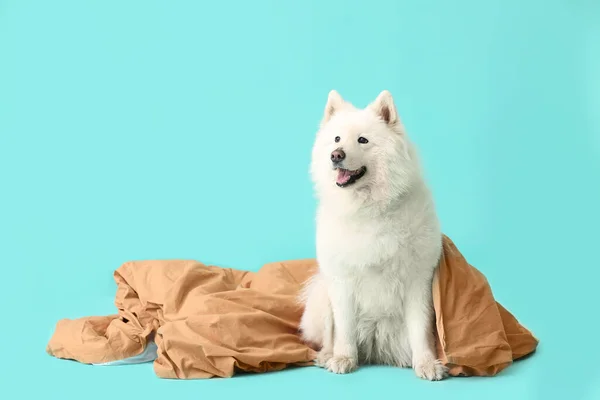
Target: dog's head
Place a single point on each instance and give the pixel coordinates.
(362, 153)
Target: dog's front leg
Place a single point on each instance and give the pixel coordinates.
(345, 351)
(420, 322)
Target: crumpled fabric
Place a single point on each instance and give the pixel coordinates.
(207, 321)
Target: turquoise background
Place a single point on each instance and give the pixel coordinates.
(183, 129)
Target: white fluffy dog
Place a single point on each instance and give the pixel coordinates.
(378, 244)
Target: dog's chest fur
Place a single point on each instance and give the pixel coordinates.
(378, 256)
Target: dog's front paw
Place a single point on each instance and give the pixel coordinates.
(323, 358)
(341, 364)
(431, 369)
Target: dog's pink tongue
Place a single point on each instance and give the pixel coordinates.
(343, 176)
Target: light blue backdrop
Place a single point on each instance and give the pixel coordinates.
(183, 129)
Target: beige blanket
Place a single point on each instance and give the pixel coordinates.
(209, 321)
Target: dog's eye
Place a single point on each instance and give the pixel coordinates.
(337, 139)
(362, 140)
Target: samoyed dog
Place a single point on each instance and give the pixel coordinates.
(378, 244)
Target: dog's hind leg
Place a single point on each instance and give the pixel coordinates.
(316, 324)
(420, 319)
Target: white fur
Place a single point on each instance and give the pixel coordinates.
(378, 244)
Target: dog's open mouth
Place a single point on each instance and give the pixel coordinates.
(347, 177)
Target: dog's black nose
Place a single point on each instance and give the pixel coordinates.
(338, 155)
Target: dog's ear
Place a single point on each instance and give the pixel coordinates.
(384, 107)
(334, 104)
